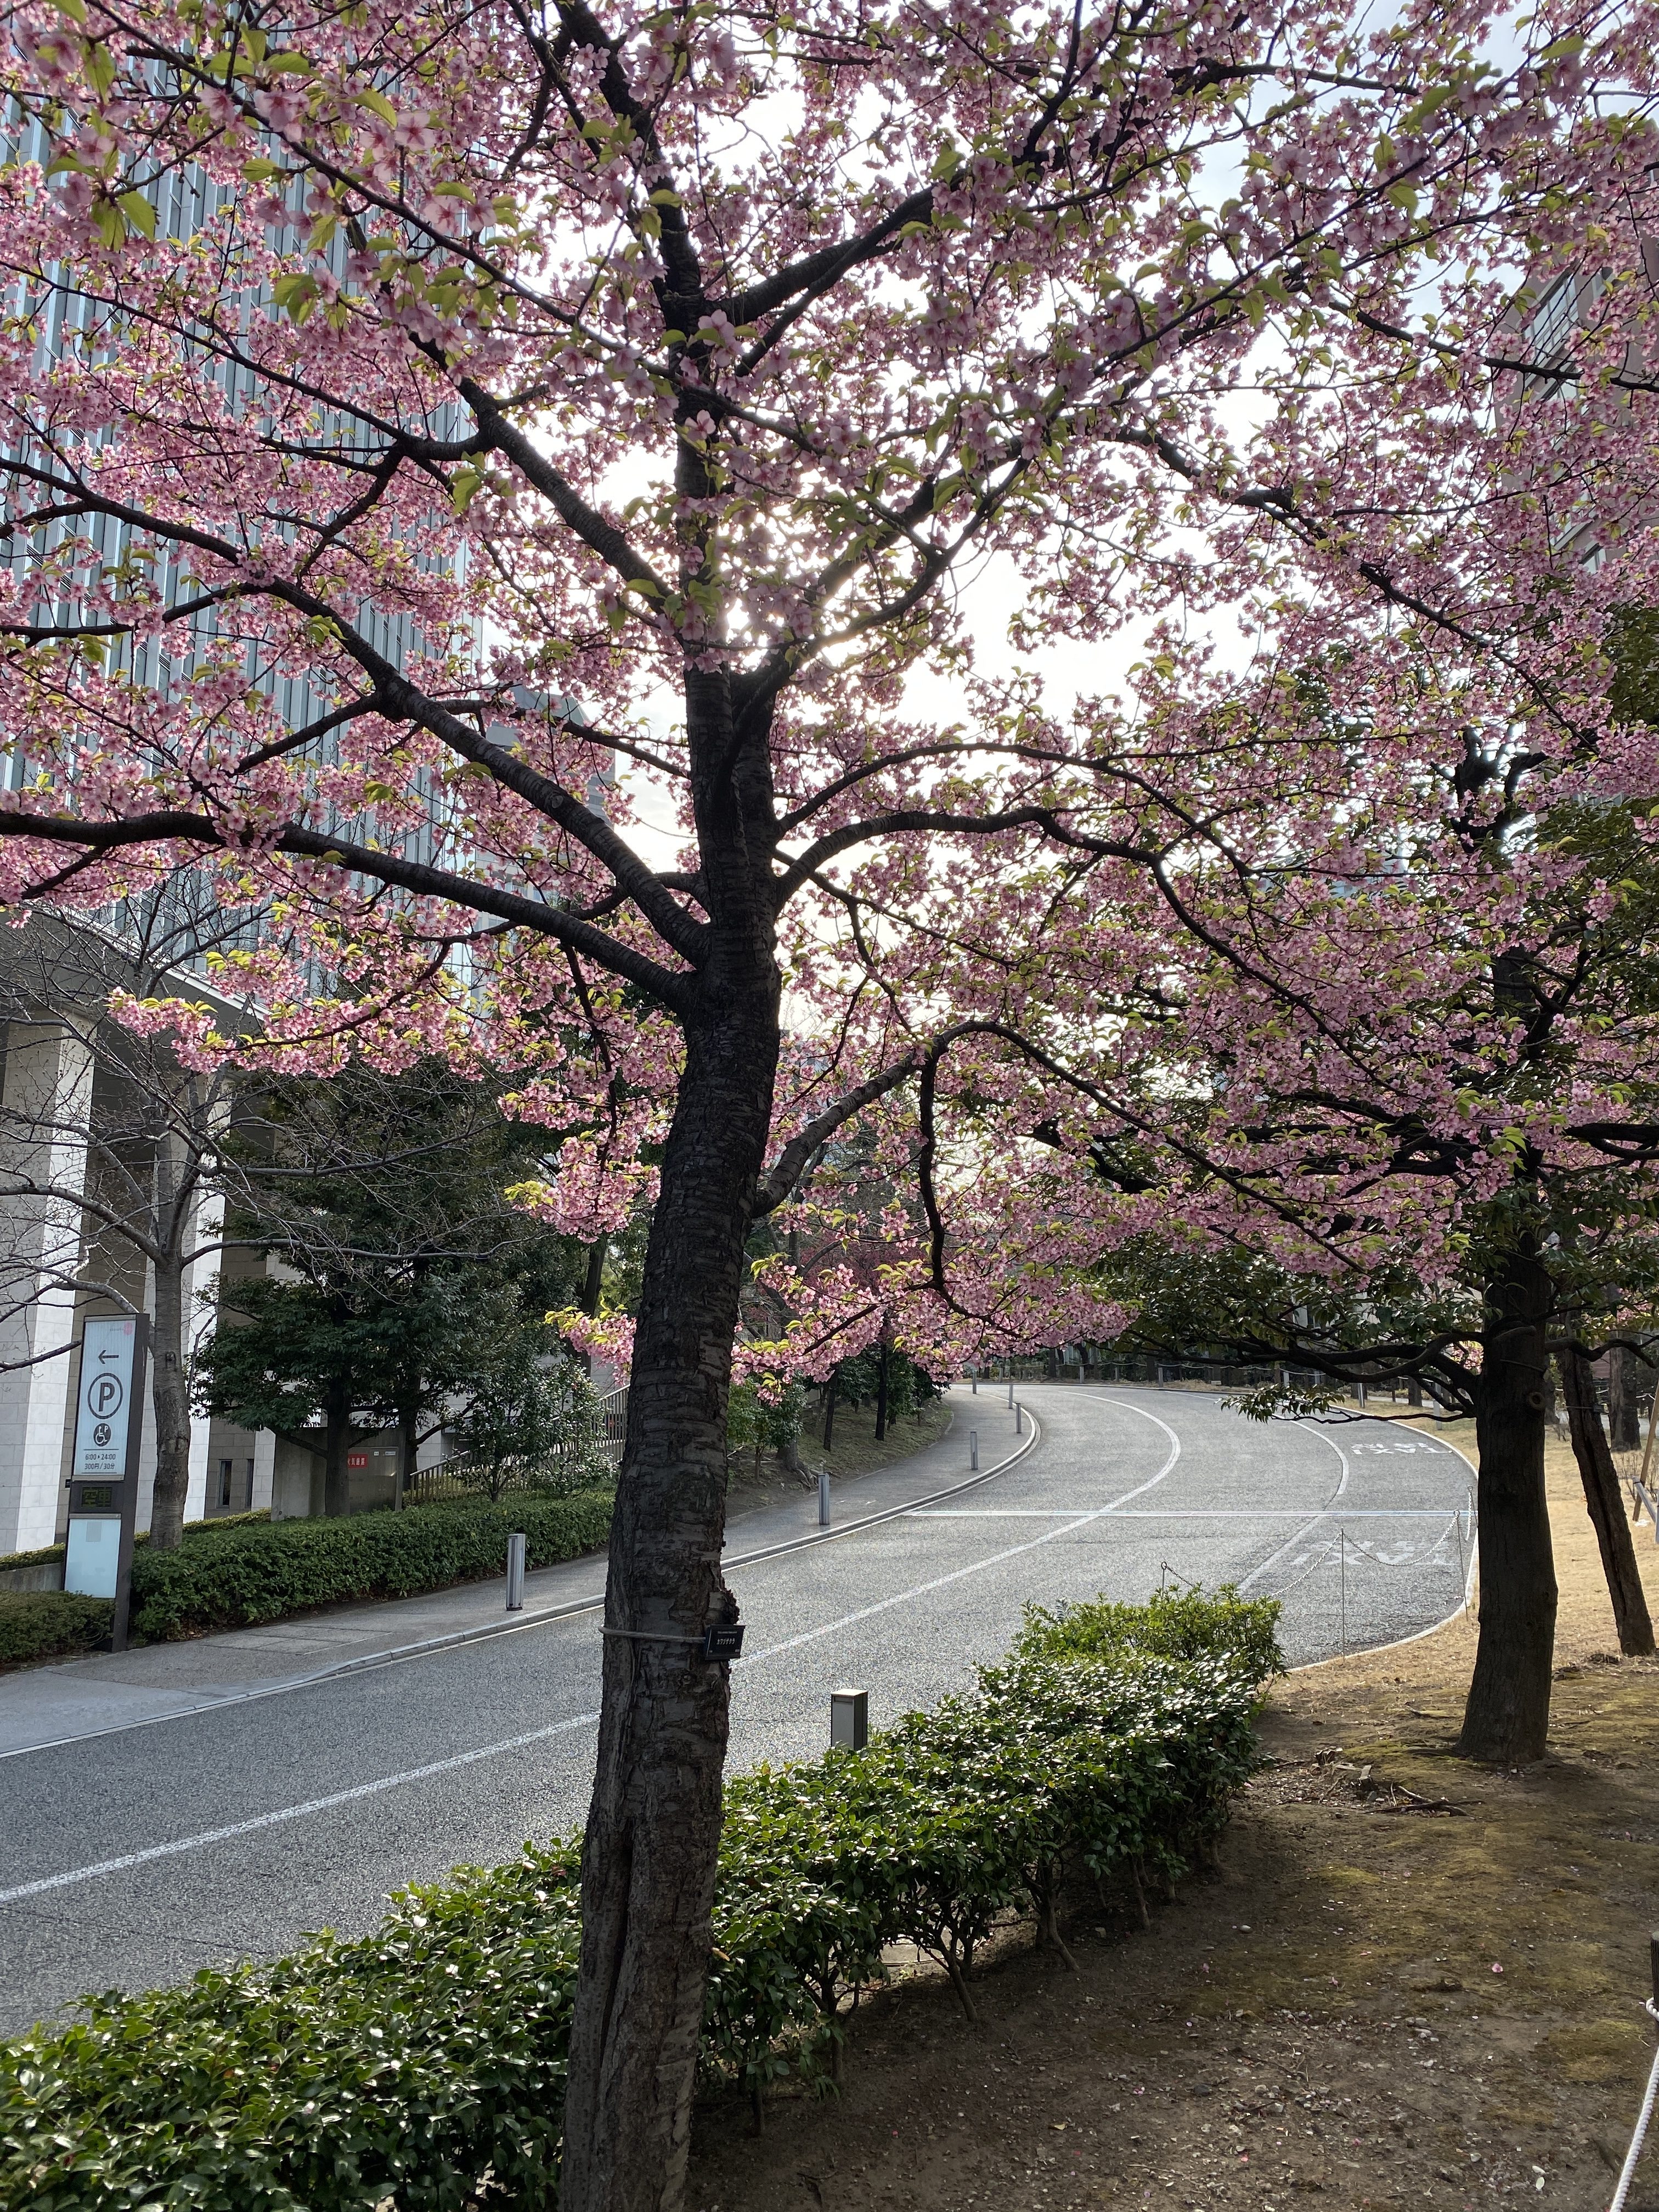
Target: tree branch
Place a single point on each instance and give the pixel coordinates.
(780, 1179)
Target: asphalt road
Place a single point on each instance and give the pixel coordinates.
(134, 1857)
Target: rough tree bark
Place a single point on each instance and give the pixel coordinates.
(408, 1447)
(653, 1829)
(169, 1389)
(337, 1480)
(1506, 1719)
(1622, 1417)
(884, 1359)
(1594, 1454)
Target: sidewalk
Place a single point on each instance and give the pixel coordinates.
(76, 1698)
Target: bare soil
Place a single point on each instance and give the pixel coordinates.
(854, 1452)
(1411, 1980)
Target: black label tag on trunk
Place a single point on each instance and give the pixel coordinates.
(724, 1642)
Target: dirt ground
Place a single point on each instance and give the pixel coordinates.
(1411, 1980)
(853, 1452)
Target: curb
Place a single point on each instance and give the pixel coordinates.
(452, 1639)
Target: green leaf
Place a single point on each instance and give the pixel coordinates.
(98, 66)
(140, 212)
(295, 296)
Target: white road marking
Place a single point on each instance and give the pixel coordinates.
(1274, 1557)
(1176, 1513)
(287, 1812)
(292, 1812)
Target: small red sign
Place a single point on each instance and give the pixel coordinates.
(356, 1459)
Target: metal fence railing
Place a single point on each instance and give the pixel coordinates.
(612, 1424)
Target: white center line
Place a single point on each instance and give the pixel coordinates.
(292, 1812)
(433, 1767)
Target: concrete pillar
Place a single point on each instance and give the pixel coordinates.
(265, 1470)
(46, 1098)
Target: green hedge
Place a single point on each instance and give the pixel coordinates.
(1177, 1623)
(283, 1567)
(48, 1624)
(49, 1553)
(404, 2065)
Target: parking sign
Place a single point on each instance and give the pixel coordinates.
(105, 1408)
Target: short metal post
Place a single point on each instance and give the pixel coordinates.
(973, 1451)
(1462, 1571)
(976, 1382)
(515, 1548)
(1010, 1386)
(824, 1497)
(1342, 1574)
(1019, 1419)
(850, 1719)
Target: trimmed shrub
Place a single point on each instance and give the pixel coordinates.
(410, 2064)
(1179, 1624)
(402, 2064)
(49, 1554)
(43, 1557)
(48, 1624)
(282, 1567)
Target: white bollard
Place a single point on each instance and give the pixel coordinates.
(1011, 1389)
(515, 1547)
(824, 1497)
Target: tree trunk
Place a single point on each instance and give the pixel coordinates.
(1591, 1450)
(1413, 1392)
(170, 1396)
(1506, 1719)
(653, 1830)
(408, 1448)
(169, 1387)
(337, 1480)
(882, 1364)
(593, 1281)
(829, 1412)
(1621, 1401)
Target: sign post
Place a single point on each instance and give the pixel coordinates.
(104, 1473)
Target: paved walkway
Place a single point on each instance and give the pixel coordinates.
(88, 1697)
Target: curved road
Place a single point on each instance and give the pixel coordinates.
(133, 1858)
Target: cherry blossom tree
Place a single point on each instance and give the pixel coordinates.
(380, 384)
(1384, 1100)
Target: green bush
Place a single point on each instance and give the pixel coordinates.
(408, 2064)
(1177, 1623)
(278, 1568)
(402, 2064)
(48, 1625)
(43, 1557)
(48, 1553)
